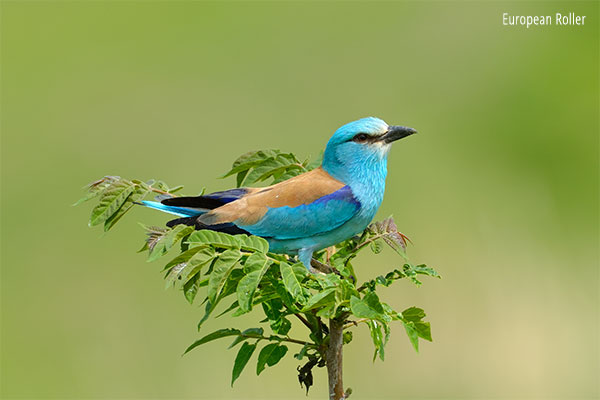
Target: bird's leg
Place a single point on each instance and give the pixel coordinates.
(313, 265)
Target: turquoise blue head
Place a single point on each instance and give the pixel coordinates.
(360, 146)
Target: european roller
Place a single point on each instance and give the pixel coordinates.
(308, 212)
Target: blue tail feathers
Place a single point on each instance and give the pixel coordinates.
(179, 211)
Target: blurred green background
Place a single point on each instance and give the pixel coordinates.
(499, 191)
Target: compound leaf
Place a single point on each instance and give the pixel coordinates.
(113, 198)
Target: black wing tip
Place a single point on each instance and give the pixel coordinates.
(193, 202)
(228, 228)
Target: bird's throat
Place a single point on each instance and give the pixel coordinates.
(366, 179)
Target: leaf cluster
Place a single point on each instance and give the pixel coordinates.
(117, 196)
(258, 166)
(237, 274)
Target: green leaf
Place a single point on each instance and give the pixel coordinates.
(373, 302)
(327, 311)
(279, 173)
(300, 355)
(189, 269)
(320, 299)
(232, 307)
(231, 283)
(160, 185)
(113, 198)
(254, 332)
(328, 280)
(239, 179)
(247, 161)
(175, 189)
(281, 325)
(221, 333)
(139, 192)
(316, 162)
(300, 271)
(250, 159)
(275, 166)
(208, 309)
(412, 333)
(282, 293)
(276, 315)
(270, 355)
(257, 264)
(97, 188)
(347, 337)
(380, 334)
(154, 234)
(173, 274)
(242, 358)
(290, 280)
(414, 314)
(368, 307)
(190, 289)
(217, 239)
(346, 290)
(253, 243)
(247, 334)
(197, 262)
(166, 241)
(423, 330)
(182, 258)
(412, 271)
(376, 246)
(221, 270)
(290, 172)
(261, 171)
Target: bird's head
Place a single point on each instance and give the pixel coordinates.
(361, 144)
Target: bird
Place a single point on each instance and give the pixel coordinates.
(310, 211)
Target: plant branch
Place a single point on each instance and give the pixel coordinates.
(355, 323)
(368, 241)
(304, 321)
(334, 359)
(155, 190)
(278, 338)
(324, 268)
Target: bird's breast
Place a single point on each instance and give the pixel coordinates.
(369, 188)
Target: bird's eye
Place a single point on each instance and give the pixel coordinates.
(361, 137)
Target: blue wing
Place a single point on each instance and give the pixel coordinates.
(324, 214)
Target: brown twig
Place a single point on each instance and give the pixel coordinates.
(355, 323)
(304, 321)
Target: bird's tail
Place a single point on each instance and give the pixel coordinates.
(188, 209)
(179, 211)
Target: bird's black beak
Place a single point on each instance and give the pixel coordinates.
(397, 132)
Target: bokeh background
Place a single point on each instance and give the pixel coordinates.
(499, 191)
